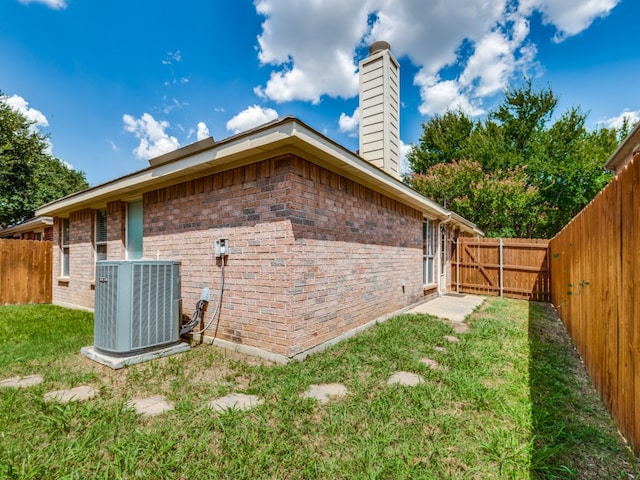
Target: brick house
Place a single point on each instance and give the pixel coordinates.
(38, 228)
(628, 150)
(321, 240)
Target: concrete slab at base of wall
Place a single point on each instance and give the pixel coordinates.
(120, 362)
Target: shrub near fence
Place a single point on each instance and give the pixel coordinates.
(595, 267)
(25, 272)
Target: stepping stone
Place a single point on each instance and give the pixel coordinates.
(440, 349)
(77, 394)
(407, 379)
(235, 401)
(459, 327)
(451, 339)
(150, 406)
(323, 392)
(430, 363)
(24, 382)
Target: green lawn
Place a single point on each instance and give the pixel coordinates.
(510, 400)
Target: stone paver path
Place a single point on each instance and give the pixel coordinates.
(451, 339)
(24, 382)
(236, 401)
(324, 392)
(77, 394)
(459, 327)
(440, 349)
(150, 406)
(432, 364)
(407, 379)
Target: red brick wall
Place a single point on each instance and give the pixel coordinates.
(312, 254)
(116, 230)
(77, 288)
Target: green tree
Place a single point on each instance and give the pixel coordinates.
(445, 138)
(29, 176)
(557, 166)
(501, 202)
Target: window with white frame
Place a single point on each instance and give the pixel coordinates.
(100, 238)
(64, 247)
(429, 246)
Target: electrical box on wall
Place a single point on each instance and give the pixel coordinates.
(221, 247)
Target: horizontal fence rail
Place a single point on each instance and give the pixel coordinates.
(26, 271)
(595, 266)
(511, 267)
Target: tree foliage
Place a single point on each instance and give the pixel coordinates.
(517, 172)
(29, 176)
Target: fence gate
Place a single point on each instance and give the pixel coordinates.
(509, 267)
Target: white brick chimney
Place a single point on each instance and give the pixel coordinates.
(380, 109)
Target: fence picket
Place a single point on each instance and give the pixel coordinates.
(510, 267)
(595, 265)
(26, 267)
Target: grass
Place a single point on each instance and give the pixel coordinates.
(510, 400)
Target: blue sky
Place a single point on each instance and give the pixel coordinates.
(114, 83)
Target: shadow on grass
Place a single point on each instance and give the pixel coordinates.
(573, 434)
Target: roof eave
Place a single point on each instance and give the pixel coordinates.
(625, 149)
(285, 135)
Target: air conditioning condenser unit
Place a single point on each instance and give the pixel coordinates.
(137, 306)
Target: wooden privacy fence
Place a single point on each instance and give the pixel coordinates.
(506, 267)
(25, 271)
(595, 266)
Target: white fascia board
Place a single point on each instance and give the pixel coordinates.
(354, 166)
(625, 148)
(246, 148)
(176, 171)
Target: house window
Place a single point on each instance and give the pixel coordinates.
(100, 239)
(64, 246)
(429, 244)
(134, 230)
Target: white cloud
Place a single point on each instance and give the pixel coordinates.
(404, 167)
(175, 103)
(251, 117)
(569, 18)
(67, 165)
(490, 66)
(36, 117)
(172, 57)
(154, 140)
(19, 104)
(349, 124)
(439, 96)
(632, 117)
(203, 131)
(55, 4)
(312, 46)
